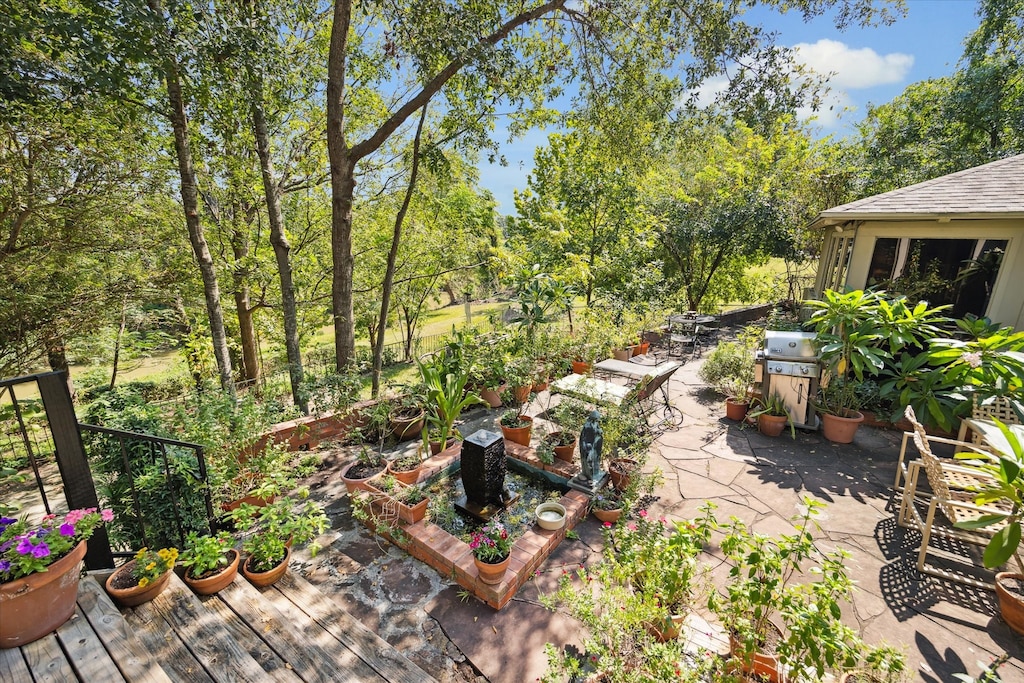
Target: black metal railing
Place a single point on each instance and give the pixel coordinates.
(121, 459)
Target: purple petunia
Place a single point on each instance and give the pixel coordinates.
(24, 546)
(6, 521)
(41, 550)
(5, 565)
(67, 529)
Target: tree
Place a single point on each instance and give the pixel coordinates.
(482, 53)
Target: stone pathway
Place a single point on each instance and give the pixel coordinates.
(945, 628)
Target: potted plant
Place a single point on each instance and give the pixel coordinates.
(772, 415)
(272, 531)
(729, 370)
(39, 571)
(562, 445)
(857, 333)
(211, 562)
(407, 416)
(447, 397)
(569, 414)
(369, 463)
(516, 427)
(775, 617)
(410, 502)
(142, 579)
(607, 507)
(406, 468)
(492, 550)
(661, 561)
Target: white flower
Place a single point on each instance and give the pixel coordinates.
(972, 359)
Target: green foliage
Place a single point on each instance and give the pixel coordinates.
(1006, 471)
(446, 398)
(206, 554)
(150, 565)
(729, 368)
(268, 529)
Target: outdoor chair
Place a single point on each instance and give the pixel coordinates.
(682, 336)
(641, 397)
(999, 408)
(943, 498)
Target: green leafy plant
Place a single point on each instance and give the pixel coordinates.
(767, 583)
(205, 555)
(729, 369)
(774, 405)
(1006, 471)
(269, 529)
(446, 397)
(570, 414)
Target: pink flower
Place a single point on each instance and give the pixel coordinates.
(631, 526)
(607, 525)
(107, 515)
(972, 359)
(643, 513)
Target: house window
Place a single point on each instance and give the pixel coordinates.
(959, 272)
(837, 261)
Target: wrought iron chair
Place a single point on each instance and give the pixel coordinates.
(683, 336)
(948, 499)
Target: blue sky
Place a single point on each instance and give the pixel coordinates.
(870, 65)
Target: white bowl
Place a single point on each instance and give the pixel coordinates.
(550, 516)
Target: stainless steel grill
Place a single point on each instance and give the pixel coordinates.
(792, 371)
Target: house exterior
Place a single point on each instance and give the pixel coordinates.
(958, 239)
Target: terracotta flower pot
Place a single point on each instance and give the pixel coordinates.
(354, 484)
(522, 393)
(1011, 603)
(407, 426)
(37, 604)
(435, 446)
(404, 476)
(258, 501)
(581, 367)
(762, 665)
(519, 435)
(736, 408)
(623, 354)
(269, 577)
(611, 516)
(667, 629)
(771, 425)
(492, 397)
(489, 573)
(621, 471)
(208, 585)
(839, 429)
(641, 348)
(121, 586)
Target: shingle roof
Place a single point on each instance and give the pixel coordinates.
(992, 190)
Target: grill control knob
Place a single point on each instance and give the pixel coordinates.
(804, 371)
(792, 344)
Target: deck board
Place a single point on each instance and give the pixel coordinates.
(132, 658)
(164, 646)
(391, 664)
(47, 661)
(222, 657)
(288, 633)
(85, 651)
(328, 658)
(13, 668)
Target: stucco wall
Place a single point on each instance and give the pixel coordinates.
(1007, 303)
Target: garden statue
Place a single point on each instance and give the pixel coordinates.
(483, 476)
(591, 476)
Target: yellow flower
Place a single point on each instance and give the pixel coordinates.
(143, 582)
(150, 566)
(162, 553)
(139, 555)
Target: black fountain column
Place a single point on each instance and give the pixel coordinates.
(483, 476)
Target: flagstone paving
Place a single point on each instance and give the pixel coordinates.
(945, 628)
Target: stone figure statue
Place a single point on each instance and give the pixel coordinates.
(591, 441)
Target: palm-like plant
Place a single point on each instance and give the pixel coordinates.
(446, 398)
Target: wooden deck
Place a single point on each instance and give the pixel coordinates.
(290, 632)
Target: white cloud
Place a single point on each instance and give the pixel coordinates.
(853, 68)
(834, 104)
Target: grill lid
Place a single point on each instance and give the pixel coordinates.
(789, 345)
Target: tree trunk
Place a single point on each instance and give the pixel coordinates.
(343, 184)
(282, 252)
(190, 202)
(389, 273)
(246, 331)
(117, 343)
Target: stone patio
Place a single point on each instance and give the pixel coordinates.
(945, 628)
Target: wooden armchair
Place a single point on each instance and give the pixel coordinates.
(944, 497)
